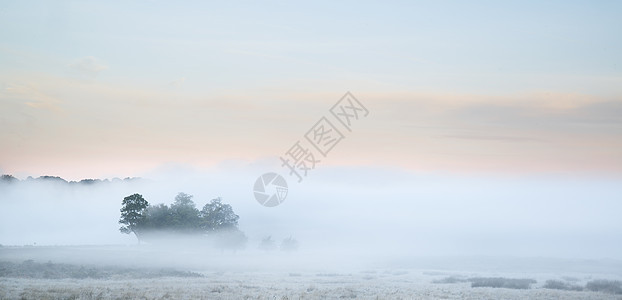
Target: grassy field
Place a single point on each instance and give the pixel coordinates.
(257, 285)
(144, 272)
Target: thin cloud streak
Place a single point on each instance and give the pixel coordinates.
(493, 138)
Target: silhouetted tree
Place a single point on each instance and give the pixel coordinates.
(216, 220)
(184, 214)
(158, 217)
(217, 216)
(267, 244)
(8, 178)
(52, 179)
(133, 214)
(90, 181)
(289, 244)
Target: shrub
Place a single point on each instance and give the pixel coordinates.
(450, 279)
(267, 244)
(499, 282)
(289, 244)
(49, 270)
(560, 285)
(605, 286)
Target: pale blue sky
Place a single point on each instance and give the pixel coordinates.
(73, 69)
(431, 45)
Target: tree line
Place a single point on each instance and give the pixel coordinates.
(9, 179)
(216, 220)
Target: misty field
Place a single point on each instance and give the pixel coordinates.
(271, 286)
(147, 272)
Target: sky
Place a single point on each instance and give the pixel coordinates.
(493, 128)
(117, 89)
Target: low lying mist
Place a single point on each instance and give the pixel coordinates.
(342, 217)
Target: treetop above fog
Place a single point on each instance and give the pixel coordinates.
(141, 218)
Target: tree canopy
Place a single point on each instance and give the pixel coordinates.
(216, 219)
(133, 214)
(218, 216)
